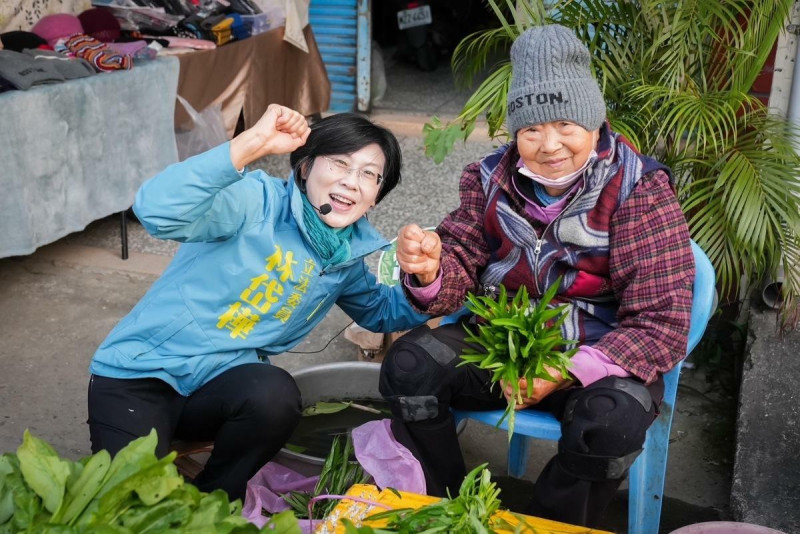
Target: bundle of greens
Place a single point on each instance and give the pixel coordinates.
(338, 474)
(134, 492)
(468, 513)
(518, 340)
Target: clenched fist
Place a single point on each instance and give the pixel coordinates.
(279, 131)
(418, 253)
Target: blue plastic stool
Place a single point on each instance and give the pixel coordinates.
(646, 478)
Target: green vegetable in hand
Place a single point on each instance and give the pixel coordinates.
(518, 340)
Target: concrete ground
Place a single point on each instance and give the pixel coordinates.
(58, 304)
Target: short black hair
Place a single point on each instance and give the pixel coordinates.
(345, 133)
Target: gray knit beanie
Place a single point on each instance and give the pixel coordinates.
(551, 80)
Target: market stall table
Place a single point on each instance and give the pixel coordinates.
(77, 151)
(246, 76)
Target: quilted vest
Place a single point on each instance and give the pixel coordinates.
(575, 245)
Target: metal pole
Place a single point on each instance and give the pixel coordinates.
(123, 228)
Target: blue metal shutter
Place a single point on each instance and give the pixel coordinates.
(341, 29)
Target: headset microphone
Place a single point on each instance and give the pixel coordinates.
(324, 209)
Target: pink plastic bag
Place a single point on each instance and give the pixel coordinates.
(382, 456)
(388, 462)
(264, 491)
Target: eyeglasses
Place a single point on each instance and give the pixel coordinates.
(340, 169)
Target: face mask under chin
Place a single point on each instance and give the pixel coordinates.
(559, 183)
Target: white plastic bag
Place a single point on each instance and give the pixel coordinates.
(207, 130)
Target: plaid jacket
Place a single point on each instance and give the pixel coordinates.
(645, 270)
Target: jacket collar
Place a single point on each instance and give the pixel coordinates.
(365, 240)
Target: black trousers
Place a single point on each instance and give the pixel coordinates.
(421, 380)
(248, 411)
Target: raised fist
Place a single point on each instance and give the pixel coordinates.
(418, 253)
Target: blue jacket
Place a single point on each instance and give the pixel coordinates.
(245, 284)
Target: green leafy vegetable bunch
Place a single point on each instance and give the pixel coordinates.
(135, 492)
(338, 474)
(469, 513)
(518, 340)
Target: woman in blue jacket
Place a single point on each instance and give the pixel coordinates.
(263, 261)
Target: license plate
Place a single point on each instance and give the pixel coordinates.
(418, 16)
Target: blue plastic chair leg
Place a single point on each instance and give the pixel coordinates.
(518, 450)
(646, 478)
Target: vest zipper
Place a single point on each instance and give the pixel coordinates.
(540, 242)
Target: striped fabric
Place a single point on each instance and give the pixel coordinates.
(97, 53)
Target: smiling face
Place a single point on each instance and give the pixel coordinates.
(350, 193)
(555, 149)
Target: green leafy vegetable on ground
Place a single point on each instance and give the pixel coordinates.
(518, 340)
(322, 407)
(470, 511)
(338, 474)
(135, 492)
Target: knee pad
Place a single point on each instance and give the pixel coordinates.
(412, 373)
(603, 429)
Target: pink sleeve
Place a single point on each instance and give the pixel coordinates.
(423, 295)
(590, 365)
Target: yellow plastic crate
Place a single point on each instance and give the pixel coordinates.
(357, 512)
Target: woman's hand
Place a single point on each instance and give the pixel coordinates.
(418, 253)
(541, 388)
(279, 131)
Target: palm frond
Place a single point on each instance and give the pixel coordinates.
(710, 229)
(473, 52)
(790, 255)
(740, 200)
(757, 40)
(696, 121)
(490, 100)
(511, 28)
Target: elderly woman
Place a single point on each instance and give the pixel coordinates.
(571, 198)
(263, 261)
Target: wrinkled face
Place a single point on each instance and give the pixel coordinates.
(350, 183)
(555, 149)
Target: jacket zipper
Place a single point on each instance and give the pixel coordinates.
(315, 310)
(540, 242)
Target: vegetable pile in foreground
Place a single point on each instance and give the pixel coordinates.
(470, 511)
(135, 492)
(518, 340)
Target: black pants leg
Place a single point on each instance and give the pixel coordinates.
(248, 411)
(122, 410)
(421, 380)
(597, 421)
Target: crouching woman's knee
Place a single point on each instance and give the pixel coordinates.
(273, 400)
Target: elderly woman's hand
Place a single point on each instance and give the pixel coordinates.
(418, 253)
(541, 388)
(279, 131)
